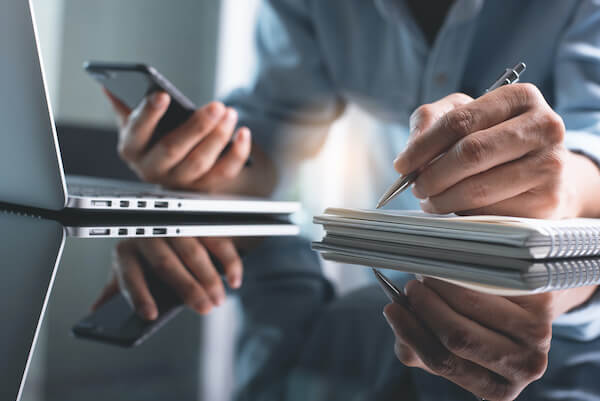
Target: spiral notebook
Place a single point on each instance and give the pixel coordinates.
(513, 237)
(494, 254)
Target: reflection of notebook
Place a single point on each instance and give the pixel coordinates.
(502, 255)
(489, 235)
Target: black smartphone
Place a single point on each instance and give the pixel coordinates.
(116, 323)
(130, 83)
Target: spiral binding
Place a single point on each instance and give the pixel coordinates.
(572, 241)
(571, 273)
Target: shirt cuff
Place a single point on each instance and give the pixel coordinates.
(581, 323)
(585, 144)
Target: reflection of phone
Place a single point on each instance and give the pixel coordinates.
(130, 83)
(116, 323)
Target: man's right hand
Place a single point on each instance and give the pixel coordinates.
(189, 156)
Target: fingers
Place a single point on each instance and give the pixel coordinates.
(130, 276)
(225, 251)
(110, 290)
(141, 124)
(230, 164)
(471, 341)
(193, 254)
(489, 187)
(426, 115)
(438, 360)
(163, 260)
(480, 152)
(507, 317)
(491, 109)
(176, 145)
(202, 158)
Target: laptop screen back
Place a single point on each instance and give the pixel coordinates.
(30, 166)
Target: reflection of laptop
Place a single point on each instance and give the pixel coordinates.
(30, 163)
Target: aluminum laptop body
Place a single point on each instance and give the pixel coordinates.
(31, 168)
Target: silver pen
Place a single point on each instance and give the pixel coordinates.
(510, 76)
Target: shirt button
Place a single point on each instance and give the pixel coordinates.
(441, 79)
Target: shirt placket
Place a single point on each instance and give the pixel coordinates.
(447, 58)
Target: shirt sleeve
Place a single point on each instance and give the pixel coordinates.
(291, 102)
(577, 95)
(577, 81)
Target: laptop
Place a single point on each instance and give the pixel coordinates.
(31, 168)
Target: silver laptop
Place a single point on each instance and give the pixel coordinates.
(31, 168)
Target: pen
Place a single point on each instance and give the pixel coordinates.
(510, 76)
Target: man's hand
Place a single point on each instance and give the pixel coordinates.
(183, 263)
(189, 157)
(492, 346)
(502, 153)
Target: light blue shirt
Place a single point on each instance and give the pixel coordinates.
(316, 56)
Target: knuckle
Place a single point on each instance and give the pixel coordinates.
(459, 341)
(191, 293)
(442, 365)
(199, 163)
(169, 149)
(534, 366)
(527, 93)
(471, 151)
(212, 282)
(478, 192)
(163, 264)
(460, 121)
(553, 127)
(423, 112)
(126, 151)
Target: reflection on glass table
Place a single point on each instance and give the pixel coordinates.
(156, 277)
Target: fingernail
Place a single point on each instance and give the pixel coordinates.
(148, 312)
(399, 163)
(231, 114)
(417, 192)
(215, 110)
(234, 281)
(159, 99)
(426, 206)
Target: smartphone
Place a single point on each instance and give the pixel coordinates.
(116, 323)
(130, 83)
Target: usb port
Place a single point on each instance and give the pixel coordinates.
(124, 203)
(139, 231)
(141, 203)
(161, 204)
(100, 231)
(159, 231)
(122, 231)
(101, 203)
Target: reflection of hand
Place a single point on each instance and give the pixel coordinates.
(187, 157)
(183, 263)
(502, 153)
(492, 346)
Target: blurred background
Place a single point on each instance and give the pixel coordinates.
(206, 49)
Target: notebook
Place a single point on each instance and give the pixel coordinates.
(513, 237)
(494, 254)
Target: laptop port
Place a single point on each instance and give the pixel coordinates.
(161, 204)
(101, 203)
(100, 232)
(140, 231)
(159, 231)
(122, 231)
(141, 204)
(124, 203)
